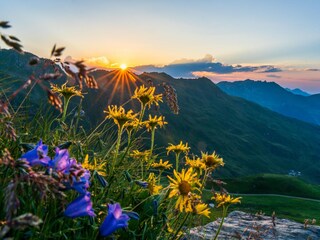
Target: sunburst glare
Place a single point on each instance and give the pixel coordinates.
(123, 66)
(121, 79)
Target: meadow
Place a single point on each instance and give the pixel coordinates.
(60, 180)
(62, 177)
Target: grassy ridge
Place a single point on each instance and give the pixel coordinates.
(273, 184)
(284, 207)
(294, 209)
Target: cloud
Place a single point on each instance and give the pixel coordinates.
(208, 58)
(92, 62)
(187, 67)
(312, 69)
(273, 76)
(271, 69)
(98, 61)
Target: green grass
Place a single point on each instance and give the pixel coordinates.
(284, 207)
(273, 184)
(289, 208)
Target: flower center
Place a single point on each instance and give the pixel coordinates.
(210, 161)
(122, 120)
(184, 187)
(145, 99)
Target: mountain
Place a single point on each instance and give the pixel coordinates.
(274, 97)
(298, 91)
(250, 138)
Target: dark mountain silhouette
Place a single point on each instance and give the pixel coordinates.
(250, 138)
(273, 96)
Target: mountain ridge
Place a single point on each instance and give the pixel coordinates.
(274, 97)
(298, 91)
(250, 138)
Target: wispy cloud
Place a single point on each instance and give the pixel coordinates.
(96, 62)
(313, 69)
(101, 61)
(273, 76)
(188, 67)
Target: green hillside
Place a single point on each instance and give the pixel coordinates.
(273, 184)
(250, 138)
(294, 209)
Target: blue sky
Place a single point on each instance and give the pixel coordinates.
(284, 34)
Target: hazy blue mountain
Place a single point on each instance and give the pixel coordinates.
(250, 138)
(298, 91)
(276, 98)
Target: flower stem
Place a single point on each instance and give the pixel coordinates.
(66, 103)
(118, 140)
(143, 108)
(78, 117)
(141, 169)
(177, 161)
(129, 138)
(204, 179)
(224, 213)
(120, 129)
(181, 225)
(152, 140)
(160, 174)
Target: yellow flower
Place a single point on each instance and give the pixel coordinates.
(146, 96)
(201, 209)
(195, 163)
(225, 199)
(130, 125)
(177, 149)
(119, 115)
(153, 122)
(212, 161)
(143, 156)
(162, 165)
(182, 186)
(152, 185)
(67, 92)
(100, 169)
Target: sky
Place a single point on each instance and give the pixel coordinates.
(223, 40)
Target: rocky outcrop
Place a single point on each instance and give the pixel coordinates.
(240, 225)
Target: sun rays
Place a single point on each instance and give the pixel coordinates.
(121, 82)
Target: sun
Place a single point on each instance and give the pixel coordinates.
(123, 66)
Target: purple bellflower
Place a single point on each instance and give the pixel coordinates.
(80, 185)
(81, 206)
(61, 161)
(114, 220)
(38, 155)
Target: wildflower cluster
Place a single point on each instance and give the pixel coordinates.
(186, 184)
(72, 175)
(95, 185)
(113, 182)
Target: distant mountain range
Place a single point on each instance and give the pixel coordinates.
(250, 138)
(298, 91)
(276, 98)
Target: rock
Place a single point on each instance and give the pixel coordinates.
(240, 225)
